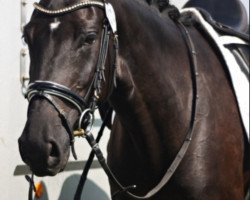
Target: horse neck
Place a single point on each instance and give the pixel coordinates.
(148, 100)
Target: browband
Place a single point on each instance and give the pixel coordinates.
(108, 8)
(68, 9)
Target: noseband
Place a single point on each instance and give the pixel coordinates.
(85, 105)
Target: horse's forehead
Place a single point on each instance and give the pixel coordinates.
(54, 24)
(78, 18)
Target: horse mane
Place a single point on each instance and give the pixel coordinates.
(161, 4)
(166, 8)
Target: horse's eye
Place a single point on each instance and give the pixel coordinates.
(90, 38)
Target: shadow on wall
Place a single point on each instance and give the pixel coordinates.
(91, 190)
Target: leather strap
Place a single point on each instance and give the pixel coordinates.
(32, 187)
(87, 166)
(180, 155)
(62, 116)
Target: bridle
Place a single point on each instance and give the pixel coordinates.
(86, 105)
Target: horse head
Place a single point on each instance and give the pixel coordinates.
(68, 50)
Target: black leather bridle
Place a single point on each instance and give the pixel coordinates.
(86, 108)
(85, 105)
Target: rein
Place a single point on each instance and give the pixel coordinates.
(182, 151)
(88, 104)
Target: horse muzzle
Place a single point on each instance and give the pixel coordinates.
(44, 144)
(45, 158)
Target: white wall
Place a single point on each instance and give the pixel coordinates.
(12, 106)
(13, 116)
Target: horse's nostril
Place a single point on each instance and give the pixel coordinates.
(54, 150)
(54, 155)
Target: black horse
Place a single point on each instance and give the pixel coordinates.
(171, 88)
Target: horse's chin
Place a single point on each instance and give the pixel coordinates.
(47, 170)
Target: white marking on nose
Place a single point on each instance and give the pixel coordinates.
(54, 25)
